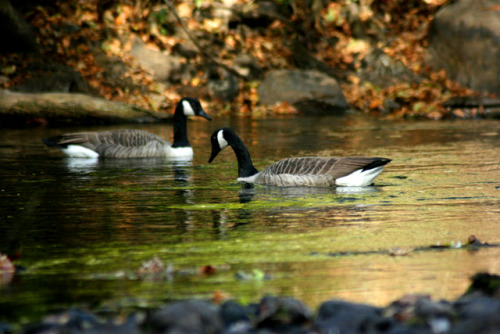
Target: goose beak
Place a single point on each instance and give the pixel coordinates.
(205, 115)
(215, 151)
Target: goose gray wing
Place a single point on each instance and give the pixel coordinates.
(314, 171)
(127, 138)
(117, 144)
(129, 144)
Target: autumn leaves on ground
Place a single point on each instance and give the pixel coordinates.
(398, 28)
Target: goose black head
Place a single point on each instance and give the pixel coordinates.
(219, 142)
(192, 107)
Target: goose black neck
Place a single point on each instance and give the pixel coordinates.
(245, 165)
(180, 128)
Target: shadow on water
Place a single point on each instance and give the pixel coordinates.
(82, 228)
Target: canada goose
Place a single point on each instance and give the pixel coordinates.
(132, 143)
(307, 171)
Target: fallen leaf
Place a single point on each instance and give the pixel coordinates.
(219, 296)
(207, 270)
(153, 266)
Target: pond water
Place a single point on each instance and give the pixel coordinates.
(83, 228)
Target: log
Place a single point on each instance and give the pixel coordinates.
(16, 107)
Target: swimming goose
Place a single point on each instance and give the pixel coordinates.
(306, 171)
(132, 143)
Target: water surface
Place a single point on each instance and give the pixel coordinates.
(82, 228)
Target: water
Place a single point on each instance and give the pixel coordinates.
(82, 228)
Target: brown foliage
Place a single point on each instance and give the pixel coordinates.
(334, 33)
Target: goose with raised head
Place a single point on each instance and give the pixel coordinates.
(132, 143)
(304, 171)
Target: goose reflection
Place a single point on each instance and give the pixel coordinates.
(143, 185)
(80, 166)
(248, 192)
(154, 167)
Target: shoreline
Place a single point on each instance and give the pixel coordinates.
(476, 311)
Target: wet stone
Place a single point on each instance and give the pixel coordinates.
(411, 314)
(192, 316)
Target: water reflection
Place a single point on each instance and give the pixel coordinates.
(248, 192)
(81, 166)
(85, 166)
(72, 217)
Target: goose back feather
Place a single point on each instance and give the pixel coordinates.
(315, 171)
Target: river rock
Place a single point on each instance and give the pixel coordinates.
(382, 70)
(248, 67)
(308, 91)
(187, 317)
(17, 35)
(164, 67)
(338, 316)
(221, 84)
(464, 40)
(282, 314)
(235, 317)
(52, 77)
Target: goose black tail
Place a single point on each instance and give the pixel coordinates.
(377, 163)
(54, 142)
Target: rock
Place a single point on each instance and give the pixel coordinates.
(338, 316)
(17, 35)
(65, 322)
(479, 307)
(4, 80)
(411, 314)
(383, 71)
(187, 317)
(5, 328)
(477, 315)
(187, 51)
(222, 84)
(464, 39)
(163, 66)
(483, 326)
(484, 284)
(308, 91)
(114, 69)
(53, 78)
(248, 67)
(303, 59)
(282, 314)
(437, 315)
(235, 317)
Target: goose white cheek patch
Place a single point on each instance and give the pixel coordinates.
(188, 110)
(222, 142)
